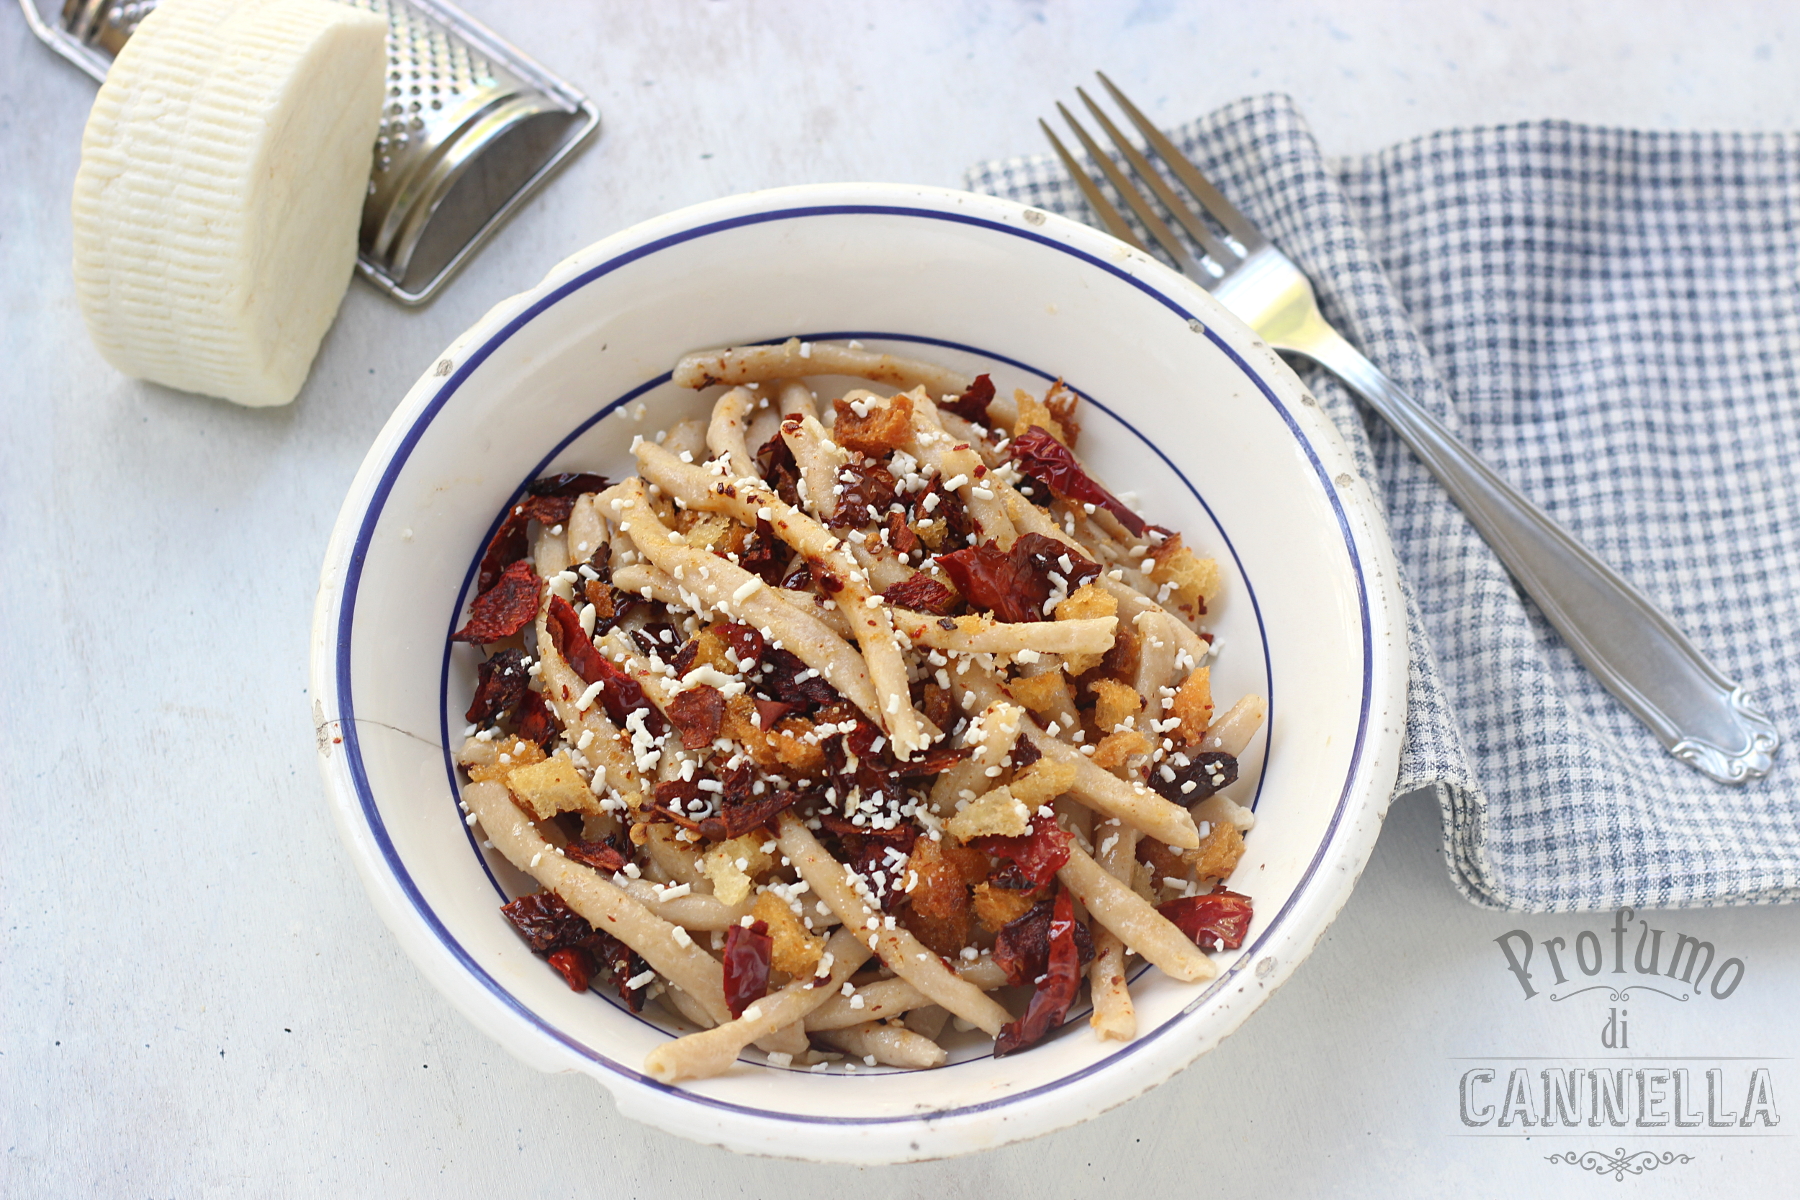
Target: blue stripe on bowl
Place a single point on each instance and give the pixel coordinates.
(409, 441)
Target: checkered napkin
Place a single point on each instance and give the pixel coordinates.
(1610, 318)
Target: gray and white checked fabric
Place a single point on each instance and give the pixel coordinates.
(1612, 319)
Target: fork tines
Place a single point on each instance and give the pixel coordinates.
(1222, 249)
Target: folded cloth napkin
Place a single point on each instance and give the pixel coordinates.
(1610, 318)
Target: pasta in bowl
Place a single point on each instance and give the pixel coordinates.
(904, 688)
(846, 638)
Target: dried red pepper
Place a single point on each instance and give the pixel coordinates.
(920, 591)
(1215, 921)
(570, 484)
(1208, 771)
(972, 405)
(768, 712)
(779, 679)
(533, 720)
(574, 965)
(1041, 456)
(1022, 947)
(1057, 989)
(868, 490)
(764, 554)
(747, 953)
(619, 693)
(745, 642)
(738, 816)
(1038, 855)
(499, 683)
(503, 609)
(508, 545)
(866, 851)
(546, 921)
(602, 856)
(1014, 584)
(775, 463)
(900, 535)
(625, 964)
(935, 761)
(572, 641)
(698, 713)
(992, 579)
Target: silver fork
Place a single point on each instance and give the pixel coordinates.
(1703, 718)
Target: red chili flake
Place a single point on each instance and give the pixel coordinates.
(745, 642)
(775, 461)
(697, 713)
(972, 405)
(572, 641)
(801, 579)
(935, 761)
(672, 798)
(625, 964)
(779, 679)
(620, 693)
(1024, 752)
(828, 579)
(1014, 584)
(508, 545)
(503, 609)
(1055, 991)
(1039, 855)
(949, 509)
(602, 856)
(676, 801)
(868, 490)
(1215, 921)
(609, 603)
(900, 535)
(1041, 456)
(764, 554)
(768, 712)
(546, 921)
(1208, 771)
(574, 965)
(499, 683)
(920, 591)
(990, 578)
(747, 952)
(866, 851)
(656, 637)
(572, 484)
(739, 816)
(533, 720)
(1045, 555)
(1022, 947)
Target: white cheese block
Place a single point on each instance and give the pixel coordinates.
(222, 179)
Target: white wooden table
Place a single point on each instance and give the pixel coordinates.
(195, 998)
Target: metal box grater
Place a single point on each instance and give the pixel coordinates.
(471, 129)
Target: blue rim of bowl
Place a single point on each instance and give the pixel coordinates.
(445, 708)
(408, 442)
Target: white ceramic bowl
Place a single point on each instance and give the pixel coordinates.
(1184, 407)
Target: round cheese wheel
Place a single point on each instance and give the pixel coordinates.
(222, 177)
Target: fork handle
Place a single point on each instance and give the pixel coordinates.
(1703, 718)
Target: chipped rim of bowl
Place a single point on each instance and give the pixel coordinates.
(1342, 852)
